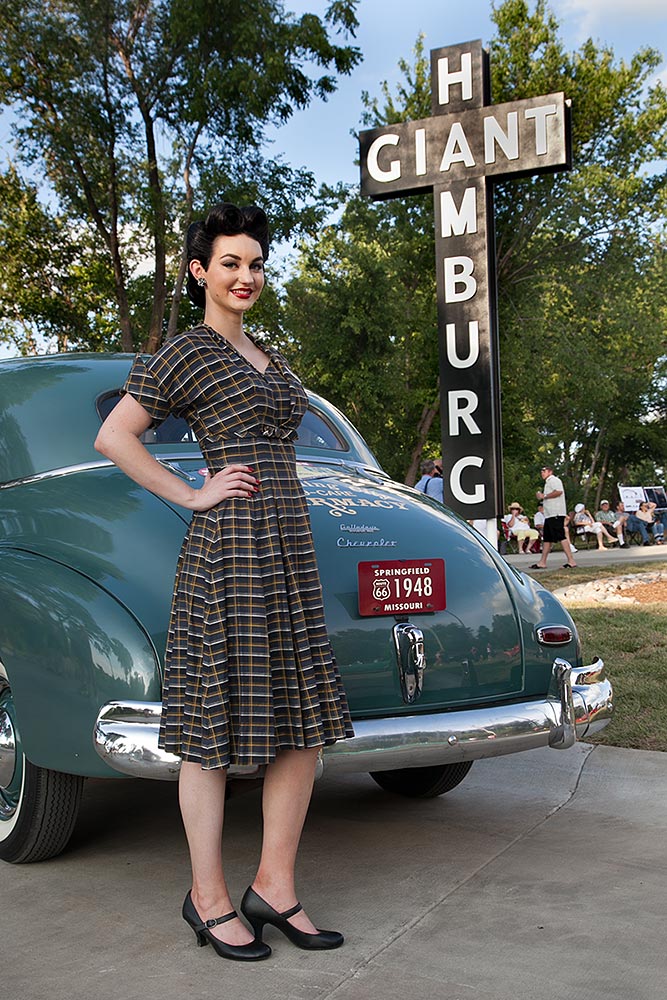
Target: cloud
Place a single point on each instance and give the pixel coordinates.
(600, 11)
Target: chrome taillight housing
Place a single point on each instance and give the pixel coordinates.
(554, 635)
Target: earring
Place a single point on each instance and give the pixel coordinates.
(201, 282)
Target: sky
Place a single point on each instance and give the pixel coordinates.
(319, 138)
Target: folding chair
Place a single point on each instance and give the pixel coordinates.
(509, 541)
(584, 537)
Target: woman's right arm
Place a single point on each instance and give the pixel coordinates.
(118, 440)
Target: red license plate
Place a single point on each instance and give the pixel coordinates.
(401, 586)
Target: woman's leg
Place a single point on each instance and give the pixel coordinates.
(528, 540)
(597, 531)
(202, 799)
(288, 786)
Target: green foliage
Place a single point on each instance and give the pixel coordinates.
(581, 276)
(139, 112)
(581, 261)
(361, 311)
(361, 307)
(53, 285)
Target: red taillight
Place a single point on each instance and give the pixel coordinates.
(554, 635)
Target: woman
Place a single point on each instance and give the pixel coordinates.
(249, 672)
(519, 526)
(646, 513)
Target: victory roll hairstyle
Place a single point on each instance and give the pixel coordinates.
(223, 219)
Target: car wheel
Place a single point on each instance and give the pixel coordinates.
(38, 807)
(423, 782)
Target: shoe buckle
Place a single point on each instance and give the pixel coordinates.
(211, 923)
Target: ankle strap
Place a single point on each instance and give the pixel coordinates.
(290, 913)
(218, 920)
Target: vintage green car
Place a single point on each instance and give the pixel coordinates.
(448, 655)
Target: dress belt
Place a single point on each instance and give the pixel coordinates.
(252, 439)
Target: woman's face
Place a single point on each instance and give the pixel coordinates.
(235, 274)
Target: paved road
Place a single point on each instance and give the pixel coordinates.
(591, 557)
(543, 876)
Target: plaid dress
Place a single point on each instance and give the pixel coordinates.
(249, 669)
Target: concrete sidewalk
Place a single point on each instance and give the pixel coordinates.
(542, 876)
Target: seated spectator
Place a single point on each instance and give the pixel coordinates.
(431, 481)
(538, 519)
(586, 523)
(646, 514)
(632, 523)
(519, 526)
(606, 516)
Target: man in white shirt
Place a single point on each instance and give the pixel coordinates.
(555, 509)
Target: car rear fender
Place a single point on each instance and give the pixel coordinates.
(68, 647)
(538, 607)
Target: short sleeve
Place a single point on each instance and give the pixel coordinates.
(142, 385)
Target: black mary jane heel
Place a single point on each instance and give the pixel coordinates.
(258, 913)
(252, 952)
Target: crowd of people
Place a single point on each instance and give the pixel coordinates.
(552, 521)
(608, 527)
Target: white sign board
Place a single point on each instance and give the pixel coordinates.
(631, 496)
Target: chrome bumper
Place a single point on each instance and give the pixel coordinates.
(579, 703)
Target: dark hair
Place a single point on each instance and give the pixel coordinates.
(223, 219)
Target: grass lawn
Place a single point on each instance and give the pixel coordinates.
(632, 641)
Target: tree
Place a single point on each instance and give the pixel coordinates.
(361, 306)
(137, 111)
(53, 285)
(362, 317)
(580, 256)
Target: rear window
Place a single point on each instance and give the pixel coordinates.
(314, 430)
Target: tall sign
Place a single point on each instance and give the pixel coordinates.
(458, 153)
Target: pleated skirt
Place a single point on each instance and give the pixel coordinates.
(249, 669)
